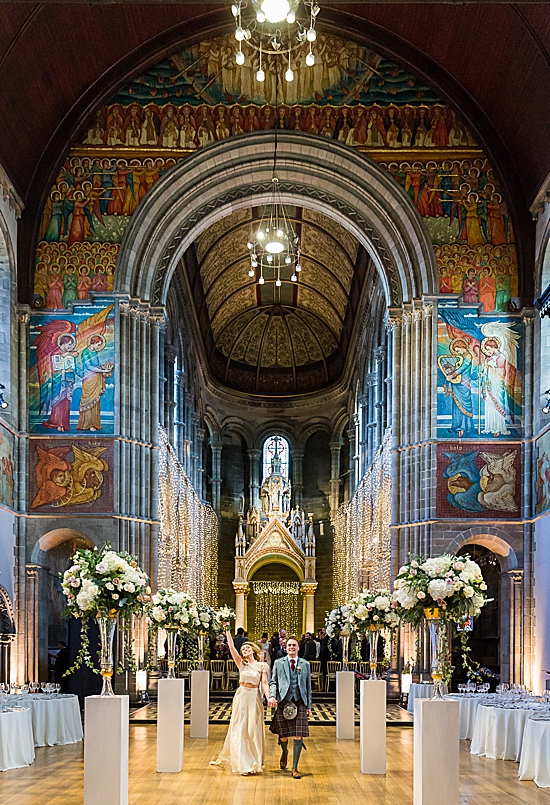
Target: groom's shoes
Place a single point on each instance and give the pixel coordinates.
(283, 761)
(296, 774)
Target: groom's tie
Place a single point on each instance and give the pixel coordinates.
(293, 664)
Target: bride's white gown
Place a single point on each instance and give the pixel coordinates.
(243, 748)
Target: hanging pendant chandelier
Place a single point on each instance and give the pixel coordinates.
(273, 28)
(274, 246)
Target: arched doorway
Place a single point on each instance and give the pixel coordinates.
(274, 601)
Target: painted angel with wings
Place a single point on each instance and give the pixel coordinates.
(53, 476)
(62, 353)
(500, 379)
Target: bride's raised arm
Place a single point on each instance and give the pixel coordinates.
(233, 651)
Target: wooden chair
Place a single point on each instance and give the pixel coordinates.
(163, 666)
(183, 670)
(364, 668)
(232, 673)
(316, 677)
(332, 667)
(352, 666)
(217, 673)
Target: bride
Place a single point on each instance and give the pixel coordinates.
(243, 748)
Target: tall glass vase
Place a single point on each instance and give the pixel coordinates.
(437, 641)
(373, 651)
(171, 637)
(200, 663)
(106, 633)
(345, 651)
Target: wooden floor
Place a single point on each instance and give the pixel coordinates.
(330, 769)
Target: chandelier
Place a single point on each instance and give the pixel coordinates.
(274, 246)
(273, 28)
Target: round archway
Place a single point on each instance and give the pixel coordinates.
(274, 601)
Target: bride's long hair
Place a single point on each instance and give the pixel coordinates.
(255, 649)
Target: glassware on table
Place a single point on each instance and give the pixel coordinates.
(57, 688)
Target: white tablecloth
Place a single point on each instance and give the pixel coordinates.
(498, 732)
(467, 709)
(55, 719)
(535, 754)
(418, 691)
(16, 744)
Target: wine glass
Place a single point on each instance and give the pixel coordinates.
(57, 688)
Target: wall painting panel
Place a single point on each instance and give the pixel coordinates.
(542, 474)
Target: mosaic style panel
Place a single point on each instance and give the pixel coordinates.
(7, 465)
(542, 474)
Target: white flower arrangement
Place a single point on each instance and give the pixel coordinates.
(337, 621)
(373, 610)
(451, 584)
(225, 615)
(170, 609)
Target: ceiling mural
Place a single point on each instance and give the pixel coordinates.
(351, 94)
(269, 337)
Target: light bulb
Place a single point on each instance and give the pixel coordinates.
(298, 267)
(288, 259)
(260, 235)
(289, 75)
(546, 409)
(260, 75)
(279, 233)
(254, 263)
(310, 59)
(275, 10)
(234, 10)
(260, 16)
(239, 34)
(239, 58)
(294, 278)
(249, 245)
(269, 258)
(278, 283)
(261, 281)
(311, 35)
(291, 17)
(274, 247)
(251, 272)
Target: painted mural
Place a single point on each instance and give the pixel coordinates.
(71, 474)
(542, 476)
(478, 480)
(71, 385)
(199, 95)
(479, 360)
(7, 467)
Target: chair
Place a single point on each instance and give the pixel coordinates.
(163, 666)
(217, 673)
(316, 678)
(183, 670)
(364, 668)
(352, 666)
(232, 673)
(332, 667)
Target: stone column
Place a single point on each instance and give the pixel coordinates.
(335, 448)
(216, 475)
(516, 624)
(308, 591)
(254, 484)
(170, 355)
(353, 461)
(201, 486)
(32, 622)
(379, 357)
(241, 592)
(363, 443)
(297, 480)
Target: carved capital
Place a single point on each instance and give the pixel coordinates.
(240, 588)
(308, 588)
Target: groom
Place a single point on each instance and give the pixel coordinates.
(290, 693)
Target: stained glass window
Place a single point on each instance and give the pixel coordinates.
(275, 445)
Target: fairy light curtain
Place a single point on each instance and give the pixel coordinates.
(188, 538)
(362, 539)
(276, 606)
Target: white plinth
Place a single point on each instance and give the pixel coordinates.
(436, 747)
(372, 728)
(200, 702)
(106, 732)
(345, 705)
(170, 725)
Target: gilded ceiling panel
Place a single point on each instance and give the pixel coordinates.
(214, 232)
(341, 235)
(327, 252)
(321, 332)
(233, 279)
(317, 276)
(301, 354)
(241, 301)
(318, 304)
(305, 341)
(253, 339)
(226, 252)
(233, 330)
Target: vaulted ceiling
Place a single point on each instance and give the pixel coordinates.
(276, 340)
(58, 61)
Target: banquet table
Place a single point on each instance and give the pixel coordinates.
(467, 709)
(498, 732)
(419, 690)
(16, 742)
(55, 719)
(535, 755)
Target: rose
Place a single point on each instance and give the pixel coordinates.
(420, 595)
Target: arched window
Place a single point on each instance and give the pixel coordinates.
(275, 445)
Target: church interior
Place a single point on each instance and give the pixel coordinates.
(274, 316)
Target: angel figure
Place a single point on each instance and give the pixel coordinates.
(90, 341)
(87, 476)
(500, 383)
(53, 476)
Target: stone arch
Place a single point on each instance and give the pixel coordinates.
(56, 537)
(493, 539)
(7, 617)
(275, 558)
(320, 174)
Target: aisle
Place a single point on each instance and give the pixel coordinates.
(331, 776)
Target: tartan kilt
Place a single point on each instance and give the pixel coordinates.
(298, 727)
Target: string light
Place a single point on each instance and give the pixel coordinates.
(188, 534)
(276, 606)
(362, 538)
